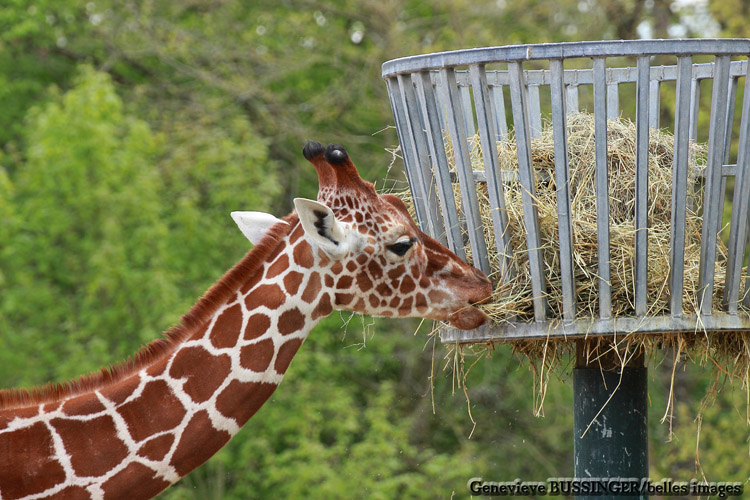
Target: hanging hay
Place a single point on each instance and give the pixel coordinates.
(727, 353)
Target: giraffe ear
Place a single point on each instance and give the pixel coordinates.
(321, 226)
(254, 225)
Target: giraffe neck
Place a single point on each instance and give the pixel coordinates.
(153, 426)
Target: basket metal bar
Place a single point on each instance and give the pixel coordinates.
(545, 51)
(535, 110)
(422, 181)
(738, 226)
(653, 103)
(442, 114)
(587, 327)
(488, 137)
(695, 97)
(571, 94)
(470, 204)
(501, 125)
(403, 126)
(519, 106)
(602, 187)
(434, 133)
(614, 75)
(731, 101)
(679, 185)
(562, 183)
(512, 175)
(613, 101)
(471, 131)
(712, 199)
(641, 186)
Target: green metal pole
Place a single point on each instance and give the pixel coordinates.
(611, 426)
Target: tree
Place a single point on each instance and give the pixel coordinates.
(731, 16)
(87, 237)
(106, 228)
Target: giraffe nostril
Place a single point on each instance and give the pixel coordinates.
(483, 291)
(479, 274)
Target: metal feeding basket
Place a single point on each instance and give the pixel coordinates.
(451, 96)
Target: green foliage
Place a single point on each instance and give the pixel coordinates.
(35, 49)
(215, 164)
(731, 16)
(110, 224)
(706, 434)
(88, 236)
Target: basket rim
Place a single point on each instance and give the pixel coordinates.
(587, 327)
(566, 50)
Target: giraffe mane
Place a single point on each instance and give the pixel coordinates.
(217, 295)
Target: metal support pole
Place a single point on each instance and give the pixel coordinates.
(610, 421)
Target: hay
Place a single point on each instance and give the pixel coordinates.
(727, 354)
(512, 300)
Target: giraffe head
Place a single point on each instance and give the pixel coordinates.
(373, 257)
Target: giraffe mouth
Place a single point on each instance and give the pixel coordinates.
(467, 318)
(470, 316)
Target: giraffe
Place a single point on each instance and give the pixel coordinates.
(131, 430)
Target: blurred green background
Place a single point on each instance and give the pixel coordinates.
(130, 130)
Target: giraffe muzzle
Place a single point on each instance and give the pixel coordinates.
(470, 317)
(467, 318)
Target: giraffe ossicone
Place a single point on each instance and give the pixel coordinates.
(131, 430)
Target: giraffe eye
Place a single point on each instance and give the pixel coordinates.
(400, 247)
